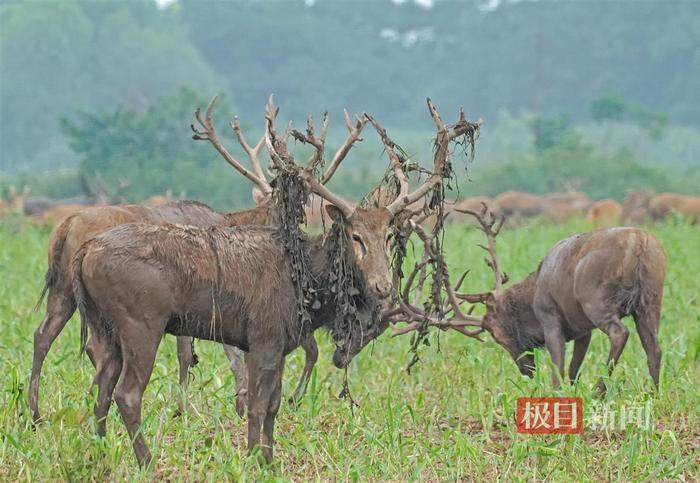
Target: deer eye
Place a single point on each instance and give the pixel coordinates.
(357, 239)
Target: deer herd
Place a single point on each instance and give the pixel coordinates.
(137, 272)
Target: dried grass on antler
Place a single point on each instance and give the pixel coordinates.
(283, 160)
(450, 315)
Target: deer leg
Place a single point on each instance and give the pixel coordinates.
(273, 408)
(139, 353)
(238, 367)
(110, 367)
(647, 323)
(311, 351)
(263, 372)
(59, 308)
(185, 358)
(607, 321)
(580, 349)
(548, 315)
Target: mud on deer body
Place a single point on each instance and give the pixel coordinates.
(584, 282)
(73, 231)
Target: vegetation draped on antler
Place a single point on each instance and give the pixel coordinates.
(442, 309)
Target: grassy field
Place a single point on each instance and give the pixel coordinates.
(451, 418)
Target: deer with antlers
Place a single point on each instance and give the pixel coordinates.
(584, 282)
(235, 285)
(69, 235)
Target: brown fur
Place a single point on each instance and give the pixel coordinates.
(604, 213)
(517, 204)
(585, 282)
(663, 204)
(69, 235)
(55, 214)
(560, 207)
(635, 206)
(137, 282)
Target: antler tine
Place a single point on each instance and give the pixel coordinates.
(282, 158)
(445, 135)
(252, 152)
(209, 134)
(353, 136)
(491, 228)
(397, 160)
(319, 143)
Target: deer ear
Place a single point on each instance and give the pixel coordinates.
(335, 213)
(490, 299)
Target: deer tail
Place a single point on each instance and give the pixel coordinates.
(57, 243)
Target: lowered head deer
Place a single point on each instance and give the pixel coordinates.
(584, 282)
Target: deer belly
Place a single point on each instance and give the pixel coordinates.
(211, 318)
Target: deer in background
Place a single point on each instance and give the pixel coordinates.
(68, 236)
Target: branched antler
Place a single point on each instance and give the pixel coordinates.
(449, 316)
(208, 133)
(491, 225)
(441, 166)
(353, 136)
(282, 159)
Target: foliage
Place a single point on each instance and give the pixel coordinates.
(452, 418)
(552, 132)
(614, 107)
(608, 107)
(59, 57)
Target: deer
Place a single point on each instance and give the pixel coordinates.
(69, 235)
(584, 282)
(234, 285)
(604, 213)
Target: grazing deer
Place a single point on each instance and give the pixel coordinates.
(584, 282)
(235, 285)
(68, 236)
(663, 204)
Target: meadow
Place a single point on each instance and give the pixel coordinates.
(451, 418)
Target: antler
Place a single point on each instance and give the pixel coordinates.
(319, 143)
(418, 318)
(252, 152)
(209, 134)
(282, 159)
(441, 168)
(397, 160)
(353, 136)
(491, 225)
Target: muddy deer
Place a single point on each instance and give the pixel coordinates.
(69, 235)
(235, 285)
(584, 282)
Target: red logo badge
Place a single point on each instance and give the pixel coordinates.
(549, 415)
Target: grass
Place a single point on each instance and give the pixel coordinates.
(451, 418)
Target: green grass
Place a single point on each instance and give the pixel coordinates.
(451, 418)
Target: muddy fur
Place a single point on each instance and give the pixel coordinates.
(69, 236)
(136, 282)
